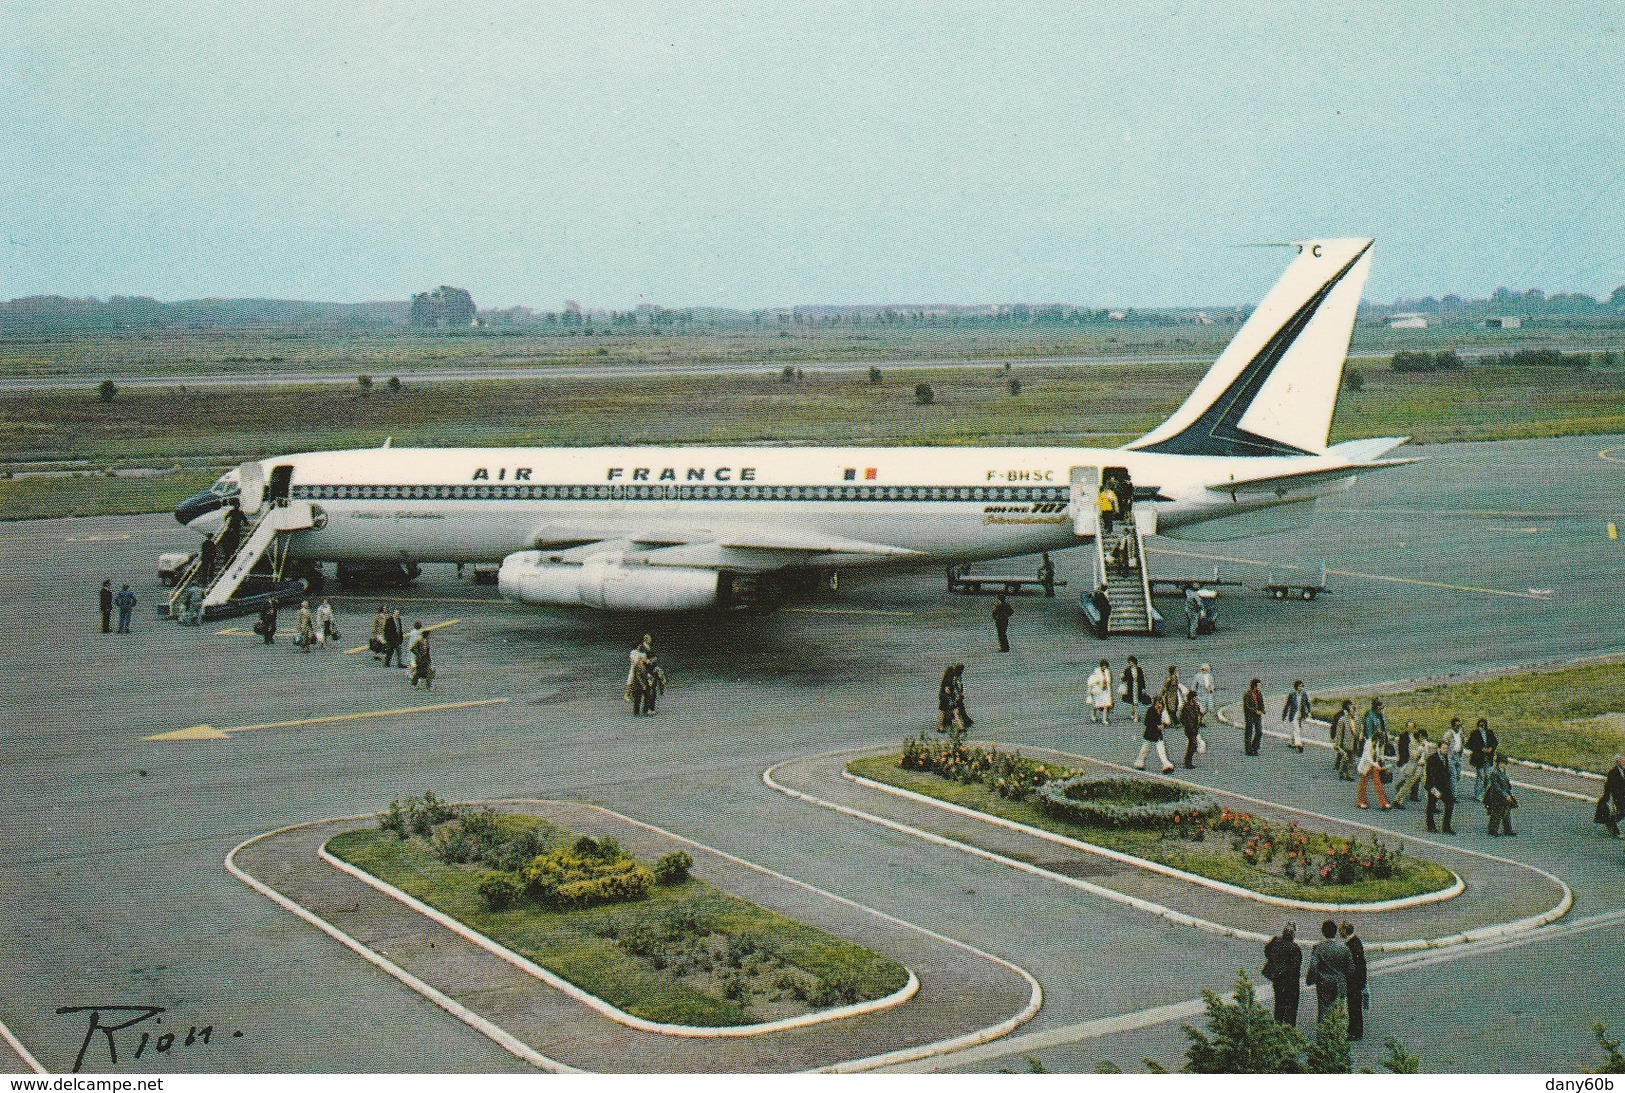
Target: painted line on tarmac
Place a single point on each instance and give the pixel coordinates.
(426, 630)
(1540, 597)
(416, 599)
(1183, 1011)
(846, 611)
(1607, 453)
(231, 630)
(491, 1031)
(209, 732)
(22, 1052)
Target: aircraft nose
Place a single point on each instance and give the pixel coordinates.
(198, 504)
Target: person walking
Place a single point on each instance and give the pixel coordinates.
(1329, 966)
(1611, 805)
(411, 643)
(1497, 795)
(1412, 769)
(1046, 575)
(325, 633)
(1358, 999)
(105, 598)
(636, 657)
(266, 626)
(1252, 710)
(1441, 789)
(1172, 692)
(1132, 689)
(1283, 960)
(1102, 603)
(1156, 720)
(1193, 612)
(380, 622)
(959, 696)
(1370, 768)
(422, 662)
(1204, 690)
(1190, 719)
(1452, 747)
(1001, 622)
(1481, 748)
(1106, 501)
(650, 685)
(125, 602)
(1346, 738)
(947, 698)
(1099, 693)
(206, 561)
(304, 629)
(392, 640)
(1295, 712)
(1374, 721)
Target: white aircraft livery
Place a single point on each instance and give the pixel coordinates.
(680, 528)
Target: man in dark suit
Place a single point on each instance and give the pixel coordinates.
(1611, 805)
(1356, 979)
(1283, 960)
(1329, 966)
(1001, 622)
(107, 607)
(1481, 748)
(1440, 791)
(392, 640)
(1103, 608)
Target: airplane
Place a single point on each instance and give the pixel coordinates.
(685, 528)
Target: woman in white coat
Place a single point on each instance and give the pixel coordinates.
(1100, 694)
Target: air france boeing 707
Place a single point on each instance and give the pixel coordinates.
(679, 528)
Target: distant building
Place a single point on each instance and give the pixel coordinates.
(1409, 321)
(1502, 322)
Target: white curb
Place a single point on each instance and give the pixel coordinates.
(22, 1052)
(1508, 929)
(486, 1028)
(598, 1005)
(1450, 891)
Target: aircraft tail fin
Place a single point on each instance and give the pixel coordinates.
(1273, 389)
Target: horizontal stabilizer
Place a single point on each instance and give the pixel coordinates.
(1287, 483)
(1361, 451)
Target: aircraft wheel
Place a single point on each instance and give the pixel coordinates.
(1279, 593)
(1309, 593)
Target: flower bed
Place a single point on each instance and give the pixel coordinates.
(1122, 802)
(652, 941)
(1160, 821)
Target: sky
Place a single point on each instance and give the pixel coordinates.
(772, 154)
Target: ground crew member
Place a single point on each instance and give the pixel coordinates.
(1046, 575)
(1001, 621)
(125, 602)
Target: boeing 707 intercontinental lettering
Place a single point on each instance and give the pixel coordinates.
(685, 528)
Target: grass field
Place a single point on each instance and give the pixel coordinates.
(1215, 859)
(1570, 717)
(574, 945)
(38, 497)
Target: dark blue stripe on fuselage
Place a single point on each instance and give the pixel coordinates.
(655, 492)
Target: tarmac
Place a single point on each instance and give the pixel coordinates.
(113, 890)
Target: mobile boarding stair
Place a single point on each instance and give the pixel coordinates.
(263, 537)
(1120, 564)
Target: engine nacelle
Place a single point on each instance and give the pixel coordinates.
(529, 578)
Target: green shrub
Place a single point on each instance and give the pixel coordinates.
(394, 819)
(673, 868)
(568, 880)
(874, 375)
(1354, 380)
(923, 394)
(107, 391)
(500, 891)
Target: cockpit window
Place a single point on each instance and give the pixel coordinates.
(225, 487)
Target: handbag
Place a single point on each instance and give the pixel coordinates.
(1201, 745)
(1387, 774)
(1122, 690)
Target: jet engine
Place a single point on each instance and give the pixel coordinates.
(607, 583)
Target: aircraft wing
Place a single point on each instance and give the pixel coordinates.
(745, 546)
(1287, 483)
